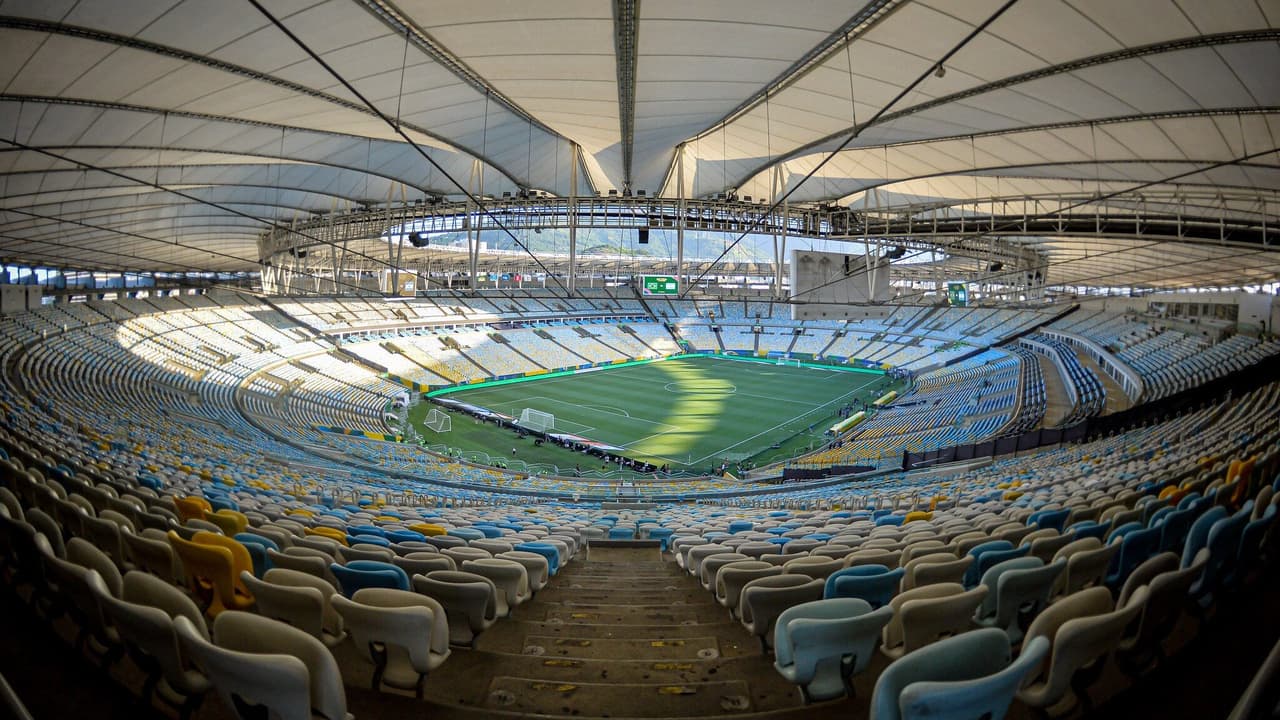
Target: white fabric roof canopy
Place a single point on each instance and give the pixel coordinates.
(157, 134)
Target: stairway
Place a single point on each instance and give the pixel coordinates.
(623, 633)
(502, 340)
(552, 339)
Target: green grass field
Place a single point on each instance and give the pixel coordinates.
(689, 412)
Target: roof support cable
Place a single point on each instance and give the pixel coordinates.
(270, 223)
(755, 222)
(475, 201)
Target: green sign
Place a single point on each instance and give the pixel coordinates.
(660, 285)
(957, 294)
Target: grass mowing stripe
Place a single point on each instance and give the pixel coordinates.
(722, 451)
(707, 406)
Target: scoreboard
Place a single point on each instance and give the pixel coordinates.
(659, 285)
(957, 294)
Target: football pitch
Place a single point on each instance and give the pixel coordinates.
(689, 412)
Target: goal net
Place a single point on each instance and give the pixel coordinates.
(789, 362)
(537, 420)
(438, 421)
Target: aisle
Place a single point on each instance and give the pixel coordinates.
(623, 629)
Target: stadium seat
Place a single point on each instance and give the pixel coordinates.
(875, 584)
(820, 645)
(470, 602)
(967, 676)
(547, 551)
(927, 614)
(257, 661)
(213, 572)
(360, 574)
(764, 599)
(405, 635)
(1082, 629)
(1018, 590)
(299, 599)
(509, 578)
(144, 616)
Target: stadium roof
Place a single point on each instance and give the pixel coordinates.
(169, 134)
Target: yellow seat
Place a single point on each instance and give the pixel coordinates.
(301, 511)
(428, 529)
(917, 515)
(231, 522)
(328, 532)
(192, 507)
(212, 566)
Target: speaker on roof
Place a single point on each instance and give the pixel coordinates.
(419, 239)
(643, 237)
(995, 267)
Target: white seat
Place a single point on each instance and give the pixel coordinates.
(536, 567)
(470, 601)
(256, 661)
(299, 599)
(144, 617)
(733, 577)
(508, 576)
(820, 645)
(764, 599)
(404, 634)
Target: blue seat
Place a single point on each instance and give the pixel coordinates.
(378, 540)
(399, 536)
(360, 574)
(989, 559)
(738, 526)
(1089, 529)
(366, 530)
(820, 645)
(1136, 546)
(1249, 556)
(876, 584)
(544, 549)
(1046, 519)
(1152, 508)
(257, 546)
(972, 576)
(663, 535)
(221, 502)
(489, 531)
(1223, 543)
(467, 533)
(1123, 530)
(1198, 535)
(622, 533)
(1174, 525)
(959, 678)
(890, 520)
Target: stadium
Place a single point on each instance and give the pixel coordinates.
(766, 361)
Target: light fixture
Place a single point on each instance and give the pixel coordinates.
(941, 72)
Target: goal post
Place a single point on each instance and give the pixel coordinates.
(438, 421)
(537, 420)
